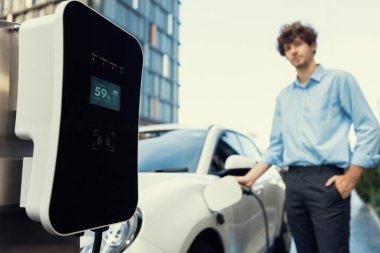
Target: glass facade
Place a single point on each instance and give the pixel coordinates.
(155, 23)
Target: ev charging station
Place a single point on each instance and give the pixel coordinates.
(78, 102)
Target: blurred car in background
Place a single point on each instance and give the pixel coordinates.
(176, 165)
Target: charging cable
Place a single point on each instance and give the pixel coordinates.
(248, 191)
(98, 239)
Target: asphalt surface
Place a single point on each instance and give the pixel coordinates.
(365, 228)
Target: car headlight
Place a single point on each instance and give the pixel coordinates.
(117, 238)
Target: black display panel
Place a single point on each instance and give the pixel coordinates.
(105, 94)
(95, 181)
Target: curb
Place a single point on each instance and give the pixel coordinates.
(373, 215)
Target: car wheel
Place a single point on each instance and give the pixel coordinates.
(201, 246)
(282, 242)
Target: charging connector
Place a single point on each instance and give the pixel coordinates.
(98, 239)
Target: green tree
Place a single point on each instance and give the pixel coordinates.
(369, 188)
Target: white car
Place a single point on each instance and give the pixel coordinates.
(177, 166)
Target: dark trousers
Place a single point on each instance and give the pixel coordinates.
(318, 217)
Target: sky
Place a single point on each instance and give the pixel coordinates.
(231, 72)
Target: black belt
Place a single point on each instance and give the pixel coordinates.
(319, 168)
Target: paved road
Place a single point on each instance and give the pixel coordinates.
(365, 228)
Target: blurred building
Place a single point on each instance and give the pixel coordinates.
(155, 23)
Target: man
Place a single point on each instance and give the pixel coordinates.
(310, 130)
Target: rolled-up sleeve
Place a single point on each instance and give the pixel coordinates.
(274, 153)
(366, 126)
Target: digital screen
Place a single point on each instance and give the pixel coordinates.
(105, 94)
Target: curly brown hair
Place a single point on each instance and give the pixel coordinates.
(294, 30)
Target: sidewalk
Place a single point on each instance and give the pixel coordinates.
(365, 228)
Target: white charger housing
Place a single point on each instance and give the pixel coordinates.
(78, 101)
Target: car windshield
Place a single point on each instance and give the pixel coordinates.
(170, 150)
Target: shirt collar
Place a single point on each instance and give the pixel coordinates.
(316, 77)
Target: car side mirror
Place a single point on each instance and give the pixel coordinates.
(238, 162)
(222, 193)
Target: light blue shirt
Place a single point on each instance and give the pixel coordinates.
(311, 123)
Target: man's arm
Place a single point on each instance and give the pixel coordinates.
(272, 156)
(367, 131)
(250, 178)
